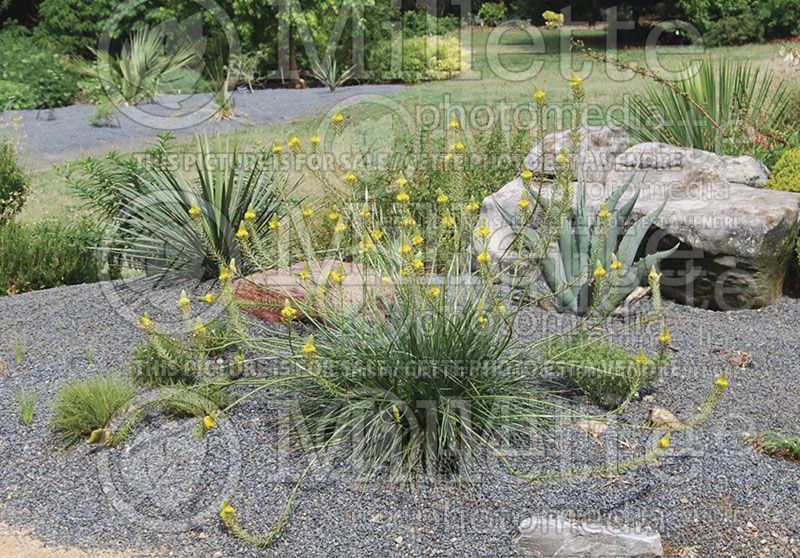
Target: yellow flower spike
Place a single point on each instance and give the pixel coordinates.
(200, 328)
(315, 139)
(308, 347)
(448, 222)
(208, 298)
(442, 197)
(539, 96)
(250, 215)
(663, 443)
(575, 82)
(417, 264)
(409, 221)
(604, 213)
(336, 277)
(350, 178)
(365, 211)
(333, 216)
(641, 359)
(562, 159)
(396, 414)
(402, 197)
(523, 203)
(242, 233)
(484, 258)
(366, 246)
(209, 422)
(305, 273)
(340, 228)
(194, 212)
(664, 339)
(526, 175)
(458, 147)
(599, 271)
(145, 323)
(404, 249)
(277, 148)
(386, 280)
(295, 144)
(225, 276)
(227, 513)
(337, 118)
(434, 292)
(473, 206)
(287, 312)
(616, 265)
(376, 235)
(307, 212)
(483, 231)
(183, 301)
(482, 319)
(722, 381)
(417, 239)
(401, 181)
(454, 125)
(653, 276)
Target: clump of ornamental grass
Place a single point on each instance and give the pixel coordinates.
(84, 406)
(778, 444)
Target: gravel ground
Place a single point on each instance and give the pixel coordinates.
(159, 494)
(70, 135)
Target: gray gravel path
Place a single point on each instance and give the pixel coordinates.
(70, 135)
(160, 492)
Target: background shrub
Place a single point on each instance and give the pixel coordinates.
(47, 254)
(14, 182)
(83, 406)
(786, 172)
(734, 30)
(492, 13)
(36, 71)
(424, 59)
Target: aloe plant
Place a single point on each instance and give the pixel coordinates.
(593, 269)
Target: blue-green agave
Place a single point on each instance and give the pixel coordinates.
(593, 269)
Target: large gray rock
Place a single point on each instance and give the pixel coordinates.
(598, 150)
(600, 145)
(558, 537)
(736, 238)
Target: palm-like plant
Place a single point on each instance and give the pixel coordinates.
(156, 233)
(707, 109)
(142, 68)
(327, 73)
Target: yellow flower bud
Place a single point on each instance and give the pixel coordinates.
(209, 422)
(194, 212)
(183, 301)
(599, 271)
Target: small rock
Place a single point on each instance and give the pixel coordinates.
(556, 536)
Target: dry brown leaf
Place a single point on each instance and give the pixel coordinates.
(740, 359)
(688, 552)
(664, 418)
(592, 427)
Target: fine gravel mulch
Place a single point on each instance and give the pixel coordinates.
(159, 494)
(66, 133)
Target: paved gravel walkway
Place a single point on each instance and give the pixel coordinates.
(70, 135)
(162, 489)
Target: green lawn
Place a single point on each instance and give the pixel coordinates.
(487, 83)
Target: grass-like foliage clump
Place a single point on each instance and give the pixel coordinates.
(84, 406)
(608, 374)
